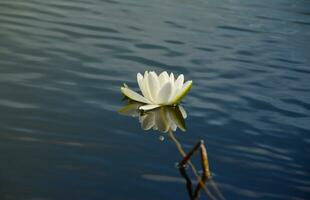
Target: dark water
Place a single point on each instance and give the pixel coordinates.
(62, 63)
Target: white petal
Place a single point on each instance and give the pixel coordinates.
(172, 77)
(177, 118)
(147, 121)
(164, 94)
(146, 88)
(172, 80)
(179, 82)
(183, 111)
(140, 81)
(145, 73)
(161, 120)
(141, 85)
(153, 85)
(174, 91)
(149, 107)
(163, 78)
(139, 78)
(185, 89)
(134, 96)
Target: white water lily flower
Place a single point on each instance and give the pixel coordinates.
(159, 90)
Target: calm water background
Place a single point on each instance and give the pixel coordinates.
(61, 65)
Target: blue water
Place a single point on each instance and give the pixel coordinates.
(62, 63)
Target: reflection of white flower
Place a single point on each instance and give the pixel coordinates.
(158, 90)
(163, 119)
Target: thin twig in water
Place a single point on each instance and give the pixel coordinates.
(182, 152)
(204, 162)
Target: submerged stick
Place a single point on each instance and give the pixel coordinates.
(204, 160)
(206, 169)
(203, 157)
(204, 163)
(182, 152)
(189, 154)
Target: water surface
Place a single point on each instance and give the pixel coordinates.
(61, 65)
